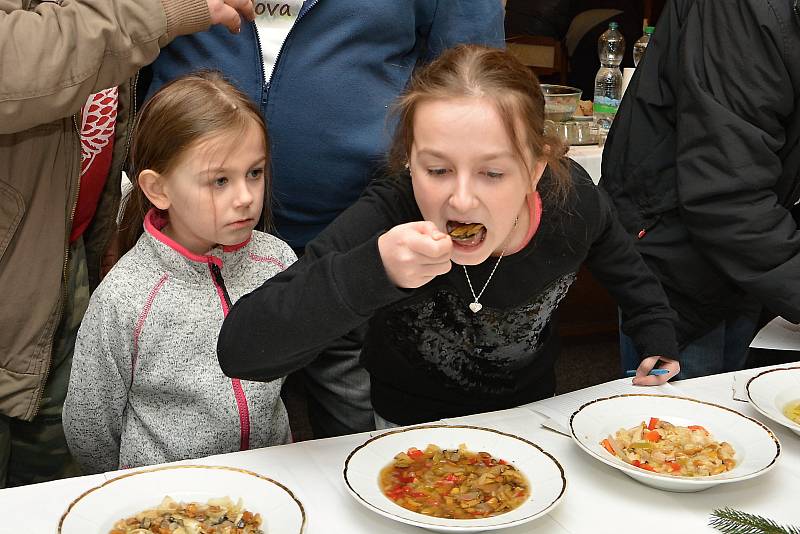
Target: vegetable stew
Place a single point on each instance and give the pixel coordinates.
(453, 484)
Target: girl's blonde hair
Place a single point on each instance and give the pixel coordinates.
(186, 110)
(494, 74)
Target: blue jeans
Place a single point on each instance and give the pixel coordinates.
(721, 350)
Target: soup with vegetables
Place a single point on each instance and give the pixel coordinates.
(661, 447)
(453, 484)
(218, 516)
(792, 411)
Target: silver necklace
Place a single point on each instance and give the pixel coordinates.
(476, 306)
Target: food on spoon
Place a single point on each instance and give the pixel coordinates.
(462, 230)
(792, 411)
(453, 484)
(217, 516)
(664, 448)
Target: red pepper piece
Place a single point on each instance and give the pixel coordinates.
(653, 436)
(415, 453)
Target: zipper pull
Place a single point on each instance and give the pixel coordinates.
(217, 275)
(643, 231)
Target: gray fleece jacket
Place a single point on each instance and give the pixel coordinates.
(146, 386)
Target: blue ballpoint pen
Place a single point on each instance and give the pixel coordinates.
(632, 372)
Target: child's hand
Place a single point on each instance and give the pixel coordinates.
(414, 253)
(642, 377)
(227, 13)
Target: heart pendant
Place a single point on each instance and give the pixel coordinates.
(475, 307)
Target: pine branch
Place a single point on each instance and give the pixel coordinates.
(736, 522)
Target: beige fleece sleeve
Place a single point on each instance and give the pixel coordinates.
(54, 56)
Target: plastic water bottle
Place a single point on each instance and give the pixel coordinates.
(641, 44)
(608, 82)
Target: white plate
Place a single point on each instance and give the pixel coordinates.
(770, 392)
(544, 473)
(757, 448)
(99, 508)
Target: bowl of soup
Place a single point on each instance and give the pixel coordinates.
(775, 393)
(454, 478)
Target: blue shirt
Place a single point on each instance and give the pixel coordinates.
(341, 67)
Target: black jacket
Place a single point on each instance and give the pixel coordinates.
(428, 355)
(703, 158)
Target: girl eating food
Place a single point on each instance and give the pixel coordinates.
(457, 259)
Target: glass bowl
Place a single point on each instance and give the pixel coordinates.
(560, 101)
(576, 131)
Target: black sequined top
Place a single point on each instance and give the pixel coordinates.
(429, 356)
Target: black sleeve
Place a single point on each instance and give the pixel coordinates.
(335, 287)
(646, 315)
(733, 103)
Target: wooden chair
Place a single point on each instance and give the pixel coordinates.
(545, 56)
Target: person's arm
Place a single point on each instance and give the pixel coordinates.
(55, 56)
(97, 393)
(465, 21)
(335, 287)
(733, 104)
(646, 315)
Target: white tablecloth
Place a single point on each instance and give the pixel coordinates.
(589, 157)
(599, 499)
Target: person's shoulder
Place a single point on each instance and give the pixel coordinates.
(392, 185)
(394, 191)
(582, 189)
(578, 175)
(777, 15)
(275, 250)
(579, 200)
(778, 6)
(387, 199)
(129, 281)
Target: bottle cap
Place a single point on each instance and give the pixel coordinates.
(649, 30)
(613, 25)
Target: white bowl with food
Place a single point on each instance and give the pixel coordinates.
(776, 394)
(189, 496)
(454, 478)
(674, 443)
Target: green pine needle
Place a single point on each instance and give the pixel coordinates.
(736, 522)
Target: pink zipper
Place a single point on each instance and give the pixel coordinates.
(238, 390)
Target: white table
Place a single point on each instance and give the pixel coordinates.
(599, 499)
(589, 157)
